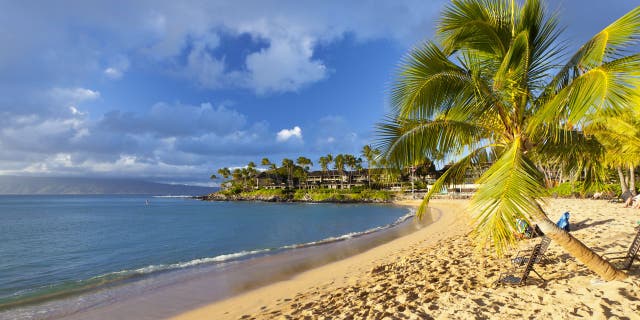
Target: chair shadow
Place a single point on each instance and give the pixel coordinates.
(584, 224)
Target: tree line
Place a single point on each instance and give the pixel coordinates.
(294, 173)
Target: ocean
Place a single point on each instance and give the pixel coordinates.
(54, 247)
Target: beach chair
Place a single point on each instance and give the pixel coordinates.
(519, 276)
(522, 256)
(632, 253)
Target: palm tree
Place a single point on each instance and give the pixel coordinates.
(370, 154)
(252, 173)
(339, 162)
(620, 137)
(355, 164)
(266, 162)
(329, 157)
(324, 162)
(306, 164)
(492, 88)
(238, 174)
(225, 173)
(288, 165)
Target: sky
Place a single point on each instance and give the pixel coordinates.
(170, 91)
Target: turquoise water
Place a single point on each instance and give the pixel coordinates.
(53, 246)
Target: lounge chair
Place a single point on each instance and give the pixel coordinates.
(632, 253)
(522, 256)
(519, 277)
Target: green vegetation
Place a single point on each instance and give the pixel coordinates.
(355, 195)
(266, 193)
(294, 175)
(312, 195)
(563, 190)
(576, 189)
(494, 89)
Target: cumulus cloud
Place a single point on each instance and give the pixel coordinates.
(174, 141)
(286, 65)
(185, 38)
(207, 70)
(87, 43)
(294, 133)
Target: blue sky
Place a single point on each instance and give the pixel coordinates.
(172, 90)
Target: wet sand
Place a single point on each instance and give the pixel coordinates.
(437, 273)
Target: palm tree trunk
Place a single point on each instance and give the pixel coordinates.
(623, 182)
(581, 252)
(632, 179)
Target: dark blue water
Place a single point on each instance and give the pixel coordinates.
(59, 244)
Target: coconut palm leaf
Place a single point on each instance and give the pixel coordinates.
(408, 141)
(508, 190)
(608, 44)
(456, 172)
(428, 83)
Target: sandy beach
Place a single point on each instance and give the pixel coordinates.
(437, 272)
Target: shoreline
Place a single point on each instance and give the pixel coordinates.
(338, 273)
(217, 282)
(439, 273)
(433, 272)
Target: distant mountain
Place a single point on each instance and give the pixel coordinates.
(45, 185)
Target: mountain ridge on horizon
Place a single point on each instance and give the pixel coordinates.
(26, 185)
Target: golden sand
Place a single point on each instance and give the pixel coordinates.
(436, 272)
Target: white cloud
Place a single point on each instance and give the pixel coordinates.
(113, 73)
(176, 140)
(286, 65)
(164, 33)
(291, 31)
(207, 70)
(74, 111)
(63, 49)
(287, 134)
(74, 95)
(118, 66)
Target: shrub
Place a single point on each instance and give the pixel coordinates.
(563, 190)
(266, 193)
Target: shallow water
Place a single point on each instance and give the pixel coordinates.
(54, 246)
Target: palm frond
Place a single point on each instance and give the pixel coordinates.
(456, 172)
(406, 142)
(614, 85)
(479, 25)
(428, 82)
(609, 44)
(509, 189)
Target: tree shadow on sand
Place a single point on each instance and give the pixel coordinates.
(585, 224)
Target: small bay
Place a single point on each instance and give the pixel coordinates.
(52, 246)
